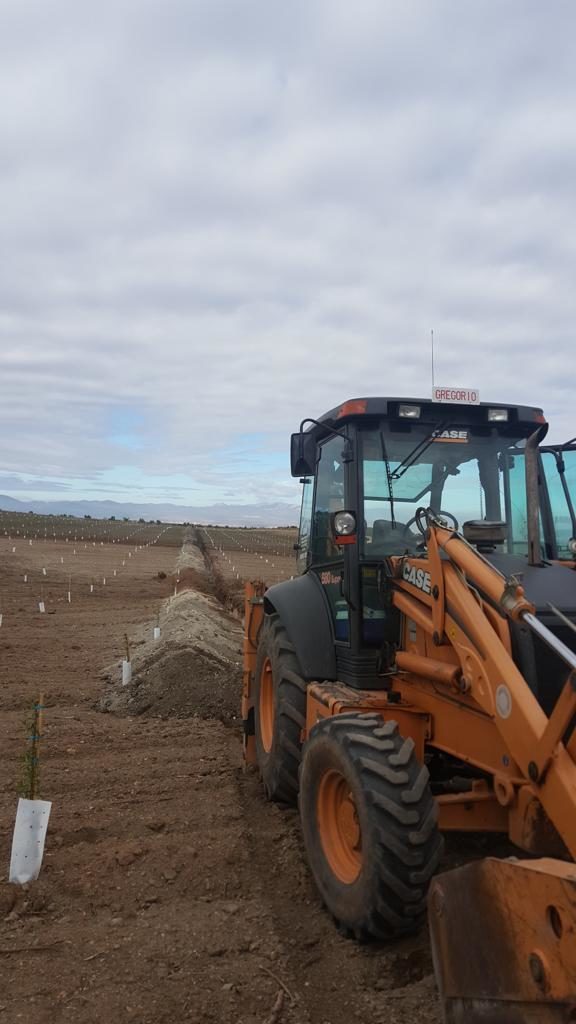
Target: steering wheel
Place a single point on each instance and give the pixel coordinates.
(420, 520)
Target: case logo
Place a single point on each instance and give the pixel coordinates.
(456, 436)
(419, 578)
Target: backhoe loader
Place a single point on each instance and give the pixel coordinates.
(419, 677)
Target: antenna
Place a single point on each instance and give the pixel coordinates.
(432, 353)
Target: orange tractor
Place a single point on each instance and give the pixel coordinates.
(419, 677)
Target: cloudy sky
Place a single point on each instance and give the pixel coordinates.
(219, 217)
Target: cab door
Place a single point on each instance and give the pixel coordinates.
(327, 557)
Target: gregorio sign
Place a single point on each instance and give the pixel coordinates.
(462, 396)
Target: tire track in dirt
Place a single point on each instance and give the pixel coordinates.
(337, 980)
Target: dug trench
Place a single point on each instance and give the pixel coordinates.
(171, 891)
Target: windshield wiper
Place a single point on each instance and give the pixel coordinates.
(389, 477)
(419, 450)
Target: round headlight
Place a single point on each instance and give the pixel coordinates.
(344, 523)
(572, 545)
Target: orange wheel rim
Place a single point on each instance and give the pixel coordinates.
(339, 827)
(266, 705)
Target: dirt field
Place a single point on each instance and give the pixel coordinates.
(170, 891)
(253, 554)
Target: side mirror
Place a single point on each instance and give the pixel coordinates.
(303, 454)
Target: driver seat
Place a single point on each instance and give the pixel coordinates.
(384, 531)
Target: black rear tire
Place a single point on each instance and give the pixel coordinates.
(279, 757)
(397, 846)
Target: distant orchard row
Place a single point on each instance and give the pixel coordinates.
(19, 525)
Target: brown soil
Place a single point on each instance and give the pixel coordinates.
(170, 891)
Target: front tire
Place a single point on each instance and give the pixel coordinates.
(279, 712)
(370, 825)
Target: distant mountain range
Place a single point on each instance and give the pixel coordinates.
(275, 514)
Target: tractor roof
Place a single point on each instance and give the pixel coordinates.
(458, 413)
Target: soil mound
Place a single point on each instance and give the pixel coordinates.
(194, 670)
(182, 682)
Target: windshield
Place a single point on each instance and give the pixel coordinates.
(559, 466)
(466, 474)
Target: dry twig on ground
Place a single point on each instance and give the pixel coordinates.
(274, 1016)
(279, 981)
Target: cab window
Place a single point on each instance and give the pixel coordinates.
(329, 498)
(561, 512)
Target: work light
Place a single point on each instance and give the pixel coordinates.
(344, 523)
(409, 412)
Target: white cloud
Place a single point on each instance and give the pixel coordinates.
(227, 216)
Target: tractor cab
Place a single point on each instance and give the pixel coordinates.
(370, 470)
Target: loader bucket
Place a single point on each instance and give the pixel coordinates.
(504, 942)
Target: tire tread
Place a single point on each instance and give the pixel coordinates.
(279, 768)
(402, 817)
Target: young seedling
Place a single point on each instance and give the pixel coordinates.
(32, 813)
